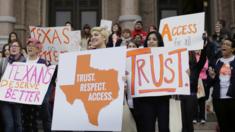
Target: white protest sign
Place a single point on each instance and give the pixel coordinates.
(90, 91)
(107, 24)
(55, 40)
(158, 71)
(75, 40)
(183, 31)
(25, 83)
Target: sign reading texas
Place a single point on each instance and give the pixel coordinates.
(95, 88)
(90, 90)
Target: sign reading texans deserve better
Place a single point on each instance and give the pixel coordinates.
(25, 83)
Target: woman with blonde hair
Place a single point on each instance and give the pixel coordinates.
(99, 37)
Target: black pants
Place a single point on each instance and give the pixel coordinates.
(150, 109)
(225, 113)
(30, 117)
(133, 112)
(200, 109)
(188, 106)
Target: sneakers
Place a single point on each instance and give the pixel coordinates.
(203, 121)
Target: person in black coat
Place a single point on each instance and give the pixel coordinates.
(223, 75)
(189, 102)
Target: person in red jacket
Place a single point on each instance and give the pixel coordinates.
(138, 29)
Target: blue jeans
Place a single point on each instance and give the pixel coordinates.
(11, 117)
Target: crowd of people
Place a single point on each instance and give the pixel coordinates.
(214, 66)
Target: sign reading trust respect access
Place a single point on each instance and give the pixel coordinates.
(25, 83)
(90, 91)
(158, 71)
(183, 31)
(56, 40)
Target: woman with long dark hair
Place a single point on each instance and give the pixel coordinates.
(150, 109)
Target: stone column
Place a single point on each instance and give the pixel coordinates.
(129, 13)
(7, 19)
(233, 16)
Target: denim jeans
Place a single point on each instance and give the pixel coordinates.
(11, 116)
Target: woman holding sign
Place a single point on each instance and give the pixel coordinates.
(34, 47)
(11, 112)
(148, 109)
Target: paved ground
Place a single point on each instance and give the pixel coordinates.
(209, 126)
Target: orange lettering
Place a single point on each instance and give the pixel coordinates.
(66, 38)
(174, 31)
(46, 36)
(56, 36)
(33, 31)
(178, 52)
(171, 70)
(140, 71)
(133, 54)
(157, 83)
(39, 34)
(166, 31)
(184, 29)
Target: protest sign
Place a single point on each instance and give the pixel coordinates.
(25, 83)
(55, 40)
(183, 31)
(107, 24)
(158, 71)
(90, 91)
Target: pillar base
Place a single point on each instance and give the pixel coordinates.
(128, 21)
(7, 19)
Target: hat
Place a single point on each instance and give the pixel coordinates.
(35, 42)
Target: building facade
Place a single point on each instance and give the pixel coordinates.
(18, 15)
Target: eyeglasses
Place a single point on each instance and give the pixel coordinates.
(14, 46)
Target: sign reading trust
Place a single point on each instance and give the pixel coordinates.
(183, 31)
(89, 94)
(25, 83)
(158, 71)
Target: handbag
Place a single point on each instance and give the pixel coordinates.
(128, 122)
(175, 115)
(200, 89)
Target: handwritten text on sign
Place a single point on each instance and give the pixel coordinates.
(25, 83)
(55, 40)
(183, 31)
(158, 71)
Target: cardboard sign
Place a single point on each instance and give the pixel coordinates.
(107, 24)
(55, 40)
(183, 31)
(90, 91)
(75, 40)
(25, 83)
(158, 71)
